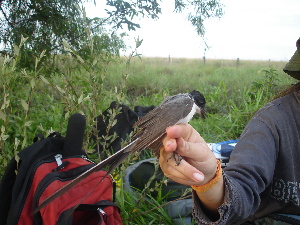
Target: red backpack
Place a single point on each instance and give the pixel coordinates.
(41, 171)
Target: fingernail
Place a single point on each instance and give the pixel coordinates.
(199, 177)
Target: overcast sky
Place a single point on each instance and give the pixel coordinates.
(250, 29)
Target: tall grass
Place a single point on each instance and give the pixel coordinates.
(233, 93)
(34, 101)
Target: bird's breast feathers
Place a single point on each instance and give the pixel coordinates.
(187, 119)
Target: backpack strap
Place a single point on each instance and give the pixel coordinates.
(74, 135)
(6, 187)
(38, 137)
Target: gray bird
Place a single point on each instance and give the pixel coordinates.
(177, 109)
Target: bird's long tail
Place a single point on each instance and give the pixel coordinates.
(111, 162)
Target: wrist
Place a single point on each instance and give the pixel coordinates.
(212, 182)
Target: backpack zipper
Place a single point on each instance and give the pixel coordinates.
(87, 159)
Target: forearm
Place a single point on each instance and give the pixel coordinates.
(211, 192)
(212, 199)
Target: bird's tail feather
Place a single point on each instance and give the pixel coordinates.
(112, 162)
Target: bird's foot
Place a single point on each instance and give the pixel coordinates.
(176, 157)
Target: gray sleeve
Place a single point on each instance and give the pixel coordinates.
(248, 174)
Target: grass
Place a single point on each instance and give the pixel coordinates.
(35, 101)
(232, 93)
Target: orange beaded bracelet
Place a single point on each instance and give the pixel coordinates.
(211, 183)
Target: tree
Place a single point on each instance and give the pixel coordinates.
(47, 23)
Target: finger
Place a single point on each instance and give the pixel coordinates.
(197, 151)
(183, 173)
(183, 181)
(185, 131)
(180, 130)
(170, 144)
(199, 155)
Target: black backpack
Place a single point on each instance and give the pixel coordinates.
(122, 128)
(44, 167)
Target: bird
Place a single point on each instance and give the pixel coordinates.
(151, 128)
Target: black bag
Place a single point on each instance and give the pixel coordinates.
(46, 166)
(125, 119)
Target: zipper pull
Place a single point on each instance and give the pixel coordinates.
(101, 211)
(103, 216)
(60, 164)
(58, 158)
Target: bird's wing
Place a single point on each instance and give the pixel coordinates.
(165, 115)
(171, 107)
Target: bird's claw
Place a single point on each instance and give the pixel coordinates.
(176, 157)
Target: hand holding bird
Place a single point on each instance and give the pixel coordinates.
(198, 165)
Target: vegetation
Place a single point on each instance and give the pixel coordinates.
(48, 23)
(57, 62)
(34, 101)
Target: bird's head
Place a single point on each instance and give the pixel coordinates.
(200, 102)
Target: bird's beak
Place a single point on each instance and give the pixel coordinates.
(202, 113)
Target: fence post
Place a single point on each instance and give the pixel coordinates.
(204, 60)
(238, 62)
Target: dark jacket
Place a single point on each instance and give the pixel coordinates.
(263, 175)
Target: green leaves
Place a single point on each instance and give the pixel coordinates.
(138, 42)
(24, 104)
(28, 123)
(2, 116)
(44, 79)
(34, 29)
(203, 10)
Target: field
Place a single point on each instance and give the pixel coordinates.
(41, 102)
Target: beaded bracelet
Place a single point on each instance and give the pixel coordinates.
(211, 183)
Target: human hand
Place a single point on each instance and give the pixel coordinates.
(198, 165)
